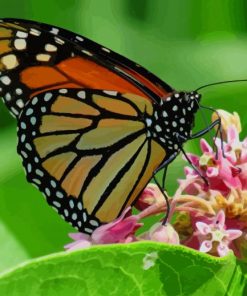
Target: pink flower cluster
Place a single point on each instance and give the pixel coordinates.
(210, 218)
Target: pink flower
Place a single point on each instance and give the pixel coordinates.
(161, 233)
(221, 174)
(227, 120)
(150, 195)
(235, 150)
(81, 241)
(120, 230)
(214, 237)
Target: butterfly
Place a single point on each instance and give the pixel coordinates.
(93, 126)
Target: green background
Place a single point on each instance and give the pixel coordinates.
(186, 43)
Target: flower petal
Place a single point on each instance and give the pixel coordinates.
(117, 230)
(222, 249)
(193, 158)
(164, 233)
(232, 134)
(232, 234)
(203, 228)
(206, 246)
(205, 147)
(78, 245)
(79, 236)
(212, 172)
(219, 220)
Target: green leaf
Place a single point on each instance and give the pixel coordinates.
(120, 270)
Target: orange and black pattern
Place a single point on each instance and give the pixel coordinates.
(93, 126)
(36, 57)
(88, 151)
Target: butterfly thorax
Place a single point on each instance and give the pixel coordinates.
(173, 119)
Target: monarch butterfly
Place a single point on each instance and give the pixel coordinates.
(93, 126)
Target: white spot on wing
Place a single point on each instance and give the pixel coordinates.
(47, 96)
(20, 103)
(148, 122)
(71, 204)
(81, 94)
(35, 32)
(59, 41)
(59, 194)
(63, 91)
(34, 101)
(42, 57)
(5, 80)
(18, 91)
(20, 44)
(87, 52)
(110, 92)
(84, 217)
(10, 61)
(50, 47)
(74, 216)
(158, 128)
(94, 223)
(47, 191)
(106, 49)
(79, 38)
(54, 31)
(21, 34)
(29, 111)
(23, 125)
(56, 204)
(8, 97)
(88, 230)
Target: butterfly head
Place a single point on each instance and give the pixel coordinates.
(175, 117)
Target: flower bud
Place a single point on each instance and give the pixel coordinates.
(227, 119)
(162, 233)
(150, 195)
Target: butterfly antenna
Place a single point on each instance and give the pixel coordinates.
(221, 82)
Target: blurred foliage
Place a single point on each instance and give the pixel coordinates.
(186, 43)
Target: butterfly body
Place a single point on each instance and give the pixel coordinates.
(93, 127)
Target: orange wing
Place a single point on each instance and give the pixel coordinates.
(88, 151)
(35, 58)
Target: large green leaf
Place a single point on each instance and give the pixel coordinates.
(145, 268)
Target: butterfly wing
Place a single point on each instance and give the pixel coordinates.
(88, 151)
(36, 57)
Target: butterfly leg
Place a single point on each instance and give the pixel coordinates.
(164, 178)
(210, 127)
(166, 199)
(180, 140)
(205, 131)
(219, 130)
(164, 166)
